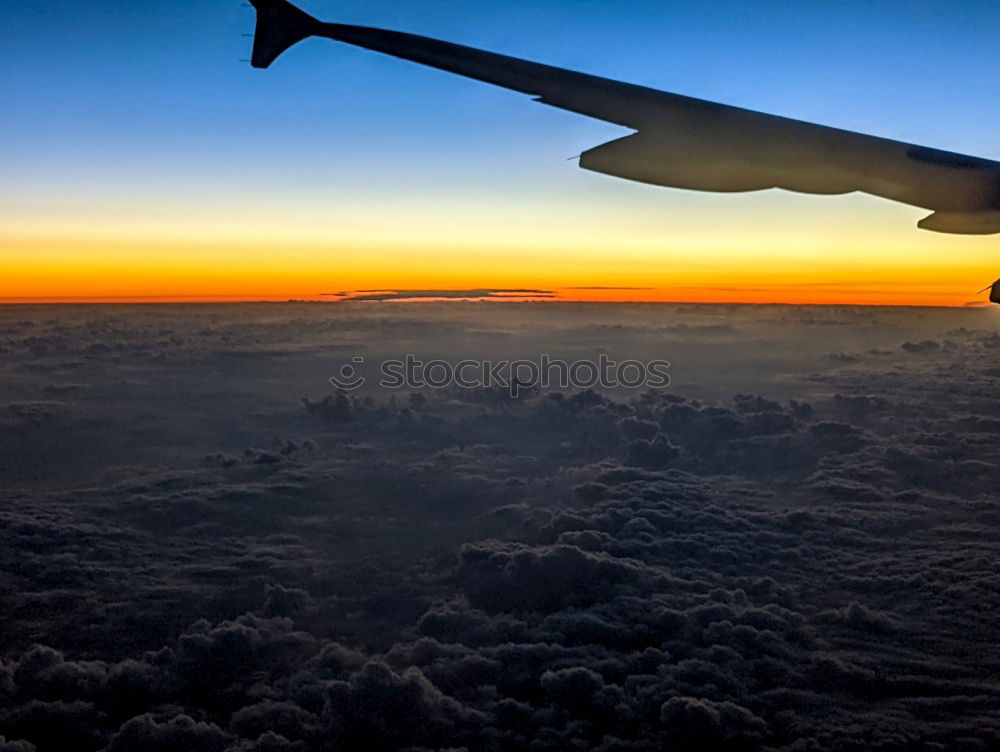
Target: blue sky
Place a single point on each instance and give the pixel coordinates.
(114, 87)
(122, 110)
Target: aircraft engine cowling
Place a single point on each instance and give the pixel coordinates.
(676, 164)
(724, 163)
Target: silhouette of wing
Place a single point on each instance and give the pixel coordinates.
(684, 142)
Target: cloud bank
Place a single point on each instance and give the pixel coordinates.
(462, 570)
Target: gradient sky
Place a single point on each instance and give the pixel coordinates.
(143, 160)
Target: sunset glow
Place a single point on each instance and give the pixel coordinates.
(599, 258)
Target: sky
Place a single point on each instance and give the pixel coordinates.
(144, 161)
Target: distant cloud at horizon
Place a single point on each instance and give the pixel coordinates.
(477, 294)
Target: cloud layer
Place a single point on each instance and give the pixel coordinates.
(462, 570)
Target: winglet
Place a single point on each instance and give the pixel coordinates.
(279, 25)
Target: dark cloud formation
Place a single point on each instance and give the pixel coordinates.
(371, 296)
(805, 567)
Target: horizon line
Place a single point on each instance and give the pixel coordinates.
(238, 300)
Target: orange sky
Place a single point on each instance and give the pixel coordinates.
(835, 251)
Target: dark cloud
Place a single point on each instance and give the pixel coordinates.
(411, 295)
(808, 565)
(180, 732)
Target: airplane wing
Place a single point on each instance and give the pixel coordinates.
(683, 142)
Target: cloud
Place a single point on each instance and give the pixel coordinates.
(180, 732)
(412, 295)
(777, 569)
